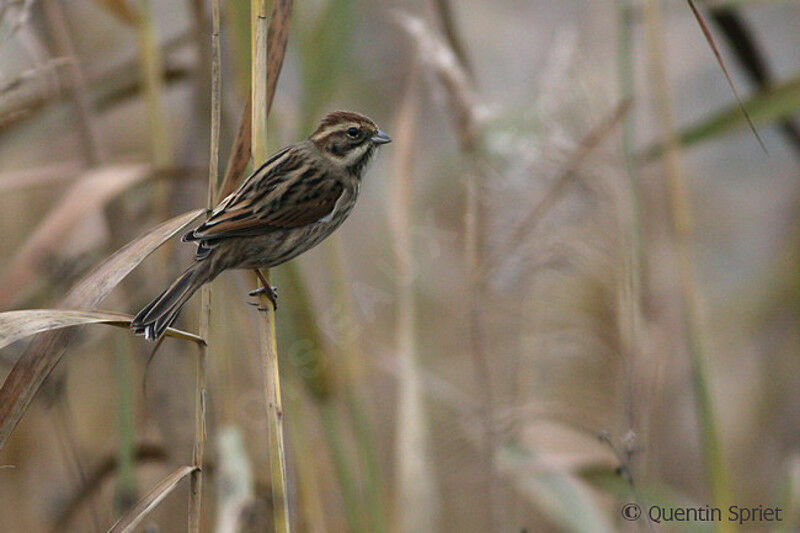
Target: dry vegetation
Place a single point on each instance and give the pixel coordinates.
(571, 282)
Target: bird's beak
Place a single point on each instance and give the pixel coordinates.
(381, 138)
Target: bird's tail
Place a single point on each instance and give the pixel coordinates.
(158, 315)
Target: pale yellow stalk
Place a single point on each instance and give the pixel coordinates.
(269, 348)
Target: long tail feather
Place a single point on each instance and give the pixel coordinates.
(158, 315)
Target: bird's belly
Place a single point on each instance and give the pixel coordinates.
(277, 247)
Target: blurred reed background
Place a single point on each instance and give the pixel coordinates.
(570, 283)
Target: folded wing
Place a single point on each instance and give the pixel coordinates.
(284, 193)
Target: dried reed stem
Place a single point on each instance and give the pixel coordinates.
(94, 148)
(681, 212)
(416, 486)
(631, 289)
(464, 110)
(196, 485)
(269, 348)
(151, 68)
(94, 155)
(447, 19)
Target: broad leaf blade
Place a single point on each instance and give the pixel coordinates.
(16, 325)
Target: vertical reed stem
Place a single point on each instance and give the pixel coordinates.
(269, 348)
(681, 211)
(415, 482)
(196, 488)
(151, 70)
(631, 287)
(125, 491)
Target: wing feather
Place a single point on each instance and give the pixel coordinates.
(279, 195)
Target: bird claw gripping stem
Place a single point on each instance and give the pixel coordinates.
(271, 293)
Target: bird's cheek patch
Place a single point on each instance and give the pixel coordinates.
(336, 149)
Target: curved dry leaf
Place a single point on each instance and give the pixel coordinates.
(94, 190)
(32, 177)
(143, 507)
(44, 353)
(16, 325)
(560, 495)
(443, 61)
(88, 292)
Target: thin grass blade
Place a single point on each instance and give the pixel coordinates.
(133, 517)
(712, 43)
(96, 285)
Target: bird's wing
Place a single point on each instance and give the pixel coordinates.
(288, 193)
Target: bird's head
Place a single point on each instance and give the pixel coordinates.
(348, 139)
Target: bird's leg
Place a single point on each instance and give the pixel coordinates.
(270, 291)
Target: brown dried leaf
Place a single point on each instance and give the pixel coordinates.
(88, 292)
(32, 177)
(277, 37)
(44, 353)
(16, 325)
(133, 517)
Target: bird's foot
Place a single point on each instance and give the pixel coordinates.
(257, 305)
(270, 292)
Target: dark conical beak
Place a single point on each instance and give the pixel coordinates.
(381, 138)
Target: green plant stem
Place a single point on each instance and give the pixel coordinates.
(318, 381)
(681, 214)
(309, 482)
(126, 447)
(333, 436)
(151, 68)
(373, 489)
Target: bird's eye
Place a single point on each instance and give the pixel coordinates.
(353, 133)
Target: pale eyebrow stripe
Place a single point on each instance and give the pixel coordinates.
(336, 127)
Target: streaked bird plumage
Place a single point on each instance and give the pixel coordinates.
(288, 205)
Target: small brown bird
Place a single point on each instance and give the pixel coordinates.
(287, 206)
